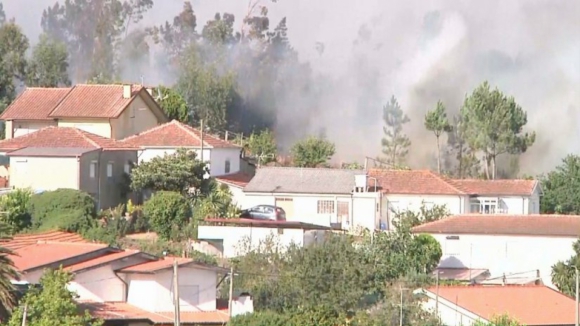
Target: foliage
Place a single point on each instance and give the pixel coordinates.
(172, 103)
(352, 166)
(437, 122)
(8, 272)
(52, 304)
(14, 206)
(503, 320)
(395, 143)
(64, 209)
(13, 47)
(217, 204)
(312, 152)
(167, 212)
(564, 272)
(461, 159)
(493, 125)
(48, 66)
(262, 146)
(178, 172)
(562, 188)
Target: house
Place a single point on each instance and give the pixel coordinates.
(235, 183)
(336, 197)
(410, 189)
(127, 287)
(66, 157)
(223, 156)
(110, 111)
(529, 305)
(236, 237)
(505, 244)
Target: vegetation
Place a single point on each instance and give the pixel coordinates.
(312, 152)
(15, 209)
(564, 272)
(52, 304)
(168, 213)
(437, 122)
(172, 103)
(63, 209)
(503, 320)
(260, 145)
(8, 272)
(562, 188)
(395, 143)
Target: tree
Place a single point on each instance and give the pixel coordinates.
(15, 209)
(262, 146)
(13, 47)
(217, 203)
(52, 304)
(437, 122)
(461, 161)
(564, 272)
(8, 273)
(65, 209)
(179, 172)
(395, 143)
(2, 15)
(168, 212)
(503, 320)
(312, 152)
(493, 125)
(562, 188)
(48, 66)
(172, 103)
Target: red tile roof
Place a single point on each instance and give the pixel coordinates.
(239, 179)
(62, 137)
(23, 240)
(176, 134)
(103, 260)
(110, 311)
(425, 182)
(497, 187)
(165, 263)
(34, 104)
(530, 305)
(495, 224)
(413, 182)
(43, 254)
(94, 101)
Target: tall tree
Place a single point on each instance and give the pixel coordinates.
(493, 125)
(172, 103)
(395, 143)
(52, 304)
(261, 146)
(562, 188)
(2, 15)
(312, 152)
(461, 160)
(437, 122)
(48, 66)
(177, 36)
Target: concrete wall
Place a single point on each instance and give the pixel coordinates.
(100, 127)
(18, 128)
(450, 314)
(137, 118)
(392, 203)
(216, 157)
(44, 173)
(153, 292)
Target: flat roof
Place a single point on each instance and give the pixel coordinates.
(245, 222)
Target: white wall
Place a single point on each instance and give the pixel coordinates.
(238, 195)
(505, 254)
(215, 156)
(153, 292)
(455, 204)
(450, 314)
(22, 127)
(238, 240)
(31, 172)
(364, 210)
(99, 285)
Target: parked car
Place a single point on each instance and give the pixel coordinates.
(264, 212)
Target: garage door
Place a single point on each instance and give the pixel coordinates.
(287, 204)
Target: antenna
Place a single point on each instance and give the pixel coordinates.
(160, 97)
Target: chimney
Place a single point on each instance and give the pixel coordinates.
(127, 90)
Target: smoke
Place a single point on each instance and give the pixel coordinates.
(363, 52)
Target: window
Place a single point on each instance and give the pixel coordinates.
(93, 169)
(227, 167)
(127, 168)
(325, 207)
(484, 206)
(110, 170)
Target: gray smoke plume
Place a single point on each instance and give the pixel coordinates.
(363, 52)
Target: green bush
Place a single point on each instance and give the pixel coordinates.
(63, 209)
(168, 212)
(14, 206)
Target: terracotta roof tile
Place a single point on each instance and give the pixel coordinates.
(34, 104)
(102, 260)
(23, 240)
(239, 179)
(496, 187)
(123, 311)
(63, 137)
(532, 225)
(413, 182)
(165, 263)
(45, 253)
(94, 101)
(176, 134)
(530, 305)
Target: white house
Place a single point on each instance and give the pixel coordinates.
(338, 197)
(236, 237)
(531, 305)
(505, 244)
(410, 189)
(236, 183)
(223, 157)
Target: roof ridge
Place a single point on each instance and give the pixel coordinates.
(85, 136)
(190, 130)
(70, 90)
(448, 182)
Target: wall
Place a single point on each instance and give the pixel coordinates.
(153, 292)
(136, 118)
(147, 154)
(450, 314)
(238, 196)
(365, 212)
(391, 202)
(218, 160)
(24, 127)
(100, 127)
(238, 240)
(505, 254)
(44, 173)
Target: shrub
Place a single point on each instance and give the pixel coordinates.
(168, 212)
(14, 206)
(63, 209)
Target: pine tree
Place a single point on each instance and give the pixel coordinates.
(395, 143)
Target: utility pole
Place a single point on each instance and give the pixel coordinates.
(201, 136)
(437, 294)
(177, 317)
(401, 311)
(24, 314)
(577, 295)
(231, 298)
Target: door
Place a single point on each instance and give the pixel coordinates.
(343, 213)
(287, 204)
